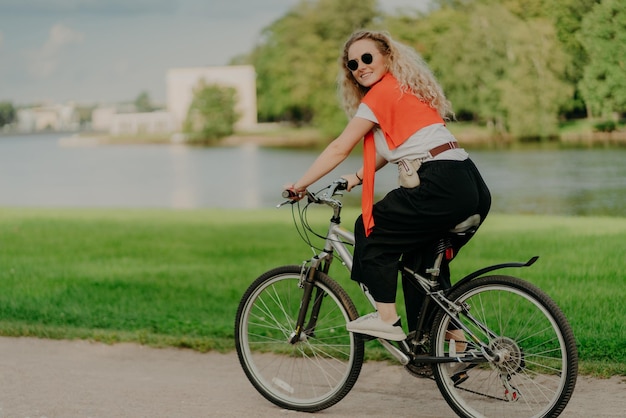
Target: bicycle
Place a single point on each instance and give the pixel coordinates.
(496, 345)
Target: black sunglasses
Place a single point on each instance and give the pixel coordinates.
(366, 58)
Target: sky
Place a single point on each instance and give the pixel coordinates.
(107, 51)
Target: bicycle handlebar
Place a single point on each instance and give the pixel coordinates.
(323, 196)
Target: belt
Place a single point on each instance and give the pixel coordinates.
(441, 148)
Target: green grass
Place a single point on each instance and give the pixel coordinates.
(174, 278)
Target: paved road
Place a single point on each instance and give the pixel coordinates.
(67, 379)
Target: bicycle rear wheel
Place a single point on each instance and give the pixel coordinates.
(319, 369)
(535, 364)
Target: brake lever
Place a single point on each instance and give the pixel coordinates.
(285, 203)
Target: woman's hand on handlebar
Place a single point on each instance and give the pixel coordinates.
(353, 181)
(291, 193)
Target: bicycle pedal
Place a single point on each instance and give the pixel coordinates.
(459, 378)
(462, 376)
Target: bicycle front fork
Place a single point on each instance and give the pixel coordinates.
(307, 282)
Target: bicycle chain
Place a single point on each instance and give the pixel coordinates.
(482, 394)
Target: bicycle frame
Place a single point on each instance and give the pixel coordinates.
(337, 239)
(495, 344)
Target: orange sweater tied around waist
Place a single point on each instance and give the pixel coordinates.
(399, 114)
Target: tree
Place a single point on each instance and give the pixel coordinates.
(7, 113)
(466, 46)
(212, 113)
(567, 16)
(495, 66)
(533, 91)
(143, 102)
(472, 72)
(603, 35)
(297, 61)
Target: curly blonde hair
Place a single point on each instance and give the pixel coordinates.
(406, 65)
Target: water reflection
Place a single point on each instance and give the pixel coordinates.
(183, 192)
(573, 182)
(39, 171)
(248, 169)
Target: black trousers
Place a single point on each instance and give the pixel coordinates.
(409, 221)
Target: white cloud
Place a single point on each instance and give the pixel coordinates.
(1, 39)
(44, 61)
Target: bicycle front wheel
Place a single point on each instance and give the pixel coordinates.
(533, 365)
(316, 371)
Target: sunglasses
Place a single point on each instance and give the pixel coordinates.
(366, 58)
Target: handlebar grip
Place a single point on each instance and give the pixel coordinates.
(288, 194)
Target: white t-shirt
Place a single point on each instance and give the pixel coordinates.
(417, 145)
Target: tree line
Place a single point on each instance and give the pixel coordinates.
(517, 66)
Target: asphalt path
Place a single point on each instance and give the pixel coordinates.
(47, 378)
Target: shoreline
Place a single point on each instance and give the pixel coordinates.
(616, 139)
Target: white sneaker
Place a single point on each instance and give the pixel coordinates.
(371, 324)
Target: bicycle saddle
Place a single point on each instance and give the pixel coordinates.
(471, 222)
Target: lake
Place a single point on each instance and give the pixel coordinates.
(40, 171)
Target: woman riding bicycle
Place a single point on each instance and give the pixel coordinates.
(397, 107)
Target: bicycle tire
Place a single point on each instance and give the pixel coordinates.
(317, 371)
(537, 368)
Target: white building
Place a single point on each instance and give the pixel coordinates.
(142, 123)
(102, 118)
(110, 119)
(48, 118)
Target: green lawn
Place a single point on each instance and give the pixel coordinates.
(174, 278)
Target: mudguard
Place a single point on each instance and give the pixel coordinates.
(484, 270)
